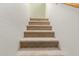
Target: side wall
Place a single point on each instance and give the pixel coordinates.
(13, 18)
(66, 24)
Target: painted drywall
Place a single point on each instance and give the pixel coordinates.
(66, 24)
(12, 25)
(37, 10)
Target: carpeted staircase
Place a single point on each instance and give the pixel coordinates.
(39, 39)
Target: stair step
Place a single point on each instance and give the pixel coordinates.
(39, 43)
(39, 39)
(39, 23)
(39, 27)
(40, 52)
(39, 19)
(39, 33)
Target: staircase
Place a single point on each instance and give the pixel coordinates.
(39, 39)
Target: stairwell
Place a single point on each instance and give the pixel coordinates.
(39, 39)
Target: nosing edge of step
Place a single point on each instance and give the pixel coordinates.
(36, 39)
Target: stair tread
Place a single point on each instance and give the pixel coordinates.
(39, 20)
(39, 39)
(39, 31)
(39, 25)
(40, 51)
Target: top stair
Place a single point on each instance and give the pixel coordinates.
(39, 19)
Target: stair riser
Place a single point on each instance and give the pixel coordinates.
(39, 34)
(38, 19)
(39, 28)
(39, 44)
(39, 23)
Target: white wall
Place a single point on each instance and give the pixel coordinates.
(12, 24)
(37, 10)
(66, 24)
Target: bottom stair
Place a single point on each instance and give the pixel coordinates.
(40, 52)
